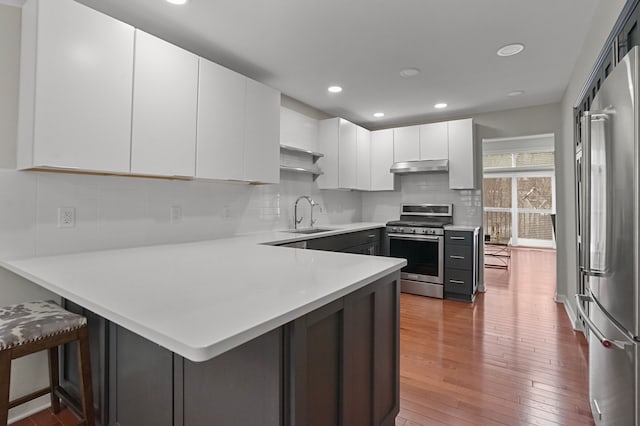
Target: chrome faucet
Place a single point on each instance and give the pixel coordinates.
(312, 203)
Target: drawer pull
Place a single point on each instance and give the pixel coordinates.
(456, 257)
(457, 238)
(456, 282)
(371, 236)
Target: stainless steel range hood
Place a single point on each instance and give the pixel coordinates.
(420, 166)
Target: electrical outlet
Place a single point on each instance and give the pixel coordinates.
(66, 217)
(226, 213)
(175, 214)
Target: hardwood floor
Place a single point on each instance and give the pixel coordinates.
(510, 358)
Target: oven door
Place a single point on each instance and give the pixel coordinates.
(424, 254)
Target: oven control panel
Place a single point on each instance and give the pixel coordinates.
(414, 230)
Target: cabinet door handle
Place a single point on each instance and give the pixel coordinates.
(456, 238)
(456, 257)
(456, 282)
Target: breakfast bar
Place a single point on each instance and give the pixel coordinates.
(233, 332)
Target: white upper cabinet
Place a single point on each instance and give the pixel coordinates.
(434, 141)
(328, 137)
(165, 99)
(262, 134)
(381, 160)
(298, 130)
(75, 88)
(221, 115)
(238, 127)
(363, 159)
(462, 170)
(337, 141)
(347, 153)
(406, 143)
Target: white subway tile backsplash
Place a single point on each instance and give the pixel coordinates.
(114, 212)
(424, 188)
(17, 214)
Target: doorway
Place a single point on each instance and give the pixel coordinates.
(519, 191)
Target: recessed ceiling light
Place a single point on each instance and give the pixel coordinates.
(409, 72)
(178, 2)
(510, 49)
(440, 105)
(335, 89)
(516, 93)
(378, 114)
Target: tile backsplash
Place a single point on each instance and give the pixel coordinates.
(423, 188)
(114, 212)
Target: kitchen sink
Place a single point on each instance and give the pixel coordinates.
(310, 230)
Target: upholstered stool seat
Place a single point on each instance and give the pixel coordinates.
(31, 327)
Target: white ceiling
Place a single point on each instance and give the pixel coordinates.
(302, 46)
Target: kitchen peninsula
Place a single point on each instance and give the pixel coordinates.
(235, 331)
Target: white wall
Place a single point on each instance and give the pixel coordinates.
(605, 16)
(113, 212)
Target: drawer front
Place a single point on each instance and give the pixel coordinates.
(460, 257)
(458, 281)
(458, 237)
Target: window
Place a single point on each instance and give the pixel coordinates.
(519, 191)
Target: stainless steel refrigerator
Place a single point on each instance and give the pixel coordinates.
(610, 212)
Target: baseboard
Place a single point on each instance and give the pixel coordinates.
(568, 308)
(29, 408)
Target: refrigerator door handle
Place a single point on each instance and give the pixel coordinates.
(585, 262)
(606, 342)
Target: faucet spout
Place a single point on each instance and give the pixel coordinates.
(312, 204)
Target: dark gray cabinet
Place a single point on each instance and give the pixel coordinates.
(359, 242)
(344, 360)
(461, 264)
(140, 380)
(69, 379)
(240, 387)
(337, 365)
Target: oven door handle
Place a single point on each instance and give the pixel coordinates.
(415, 237)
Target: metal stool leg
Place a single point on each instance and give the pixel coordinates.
(5, 380)
(84, 365)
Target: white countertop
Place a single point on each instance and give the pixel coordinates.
(469, 228)
(201, 299)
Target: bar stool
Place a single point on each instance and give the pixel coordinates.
(31, 327)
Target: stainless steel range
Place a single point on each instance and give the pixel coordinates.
(419, 237)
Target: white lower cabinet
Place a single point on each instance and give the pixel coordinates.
(462, 170)
(76, 78)
(363, 159)
(165, 100)
(381, 160)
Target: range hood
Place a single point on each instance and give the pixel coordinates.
(420, 166)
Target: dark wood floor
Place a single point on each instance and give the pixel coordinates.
(510, 358)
